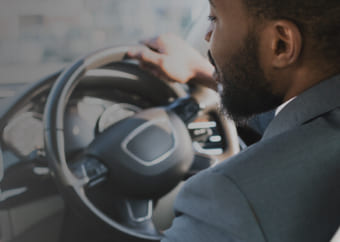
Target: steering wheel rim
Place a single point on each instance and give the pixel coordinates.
(54, 131)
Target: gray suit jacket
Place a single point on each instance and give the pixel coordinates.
(285, 188)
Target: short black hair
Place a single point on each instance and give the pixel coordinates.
(317, 19)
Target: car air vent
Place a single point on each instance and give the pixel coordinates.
(206, 136)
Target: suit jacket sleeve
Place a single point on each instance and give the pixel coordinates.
(210, 207)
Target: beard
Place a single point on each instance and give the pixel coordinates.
(244, 89)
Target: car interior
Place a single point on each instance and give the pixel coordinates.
(32, 206)
(98, 150)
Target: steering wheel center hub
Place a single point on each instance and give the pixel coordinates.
(147, 154)
(151, 143)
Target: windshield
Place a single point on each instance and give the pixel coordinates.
(39, 37)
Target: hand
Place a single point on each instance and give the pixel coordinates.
(171, 58)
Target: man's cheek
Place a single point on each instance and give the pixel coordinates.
(218, 52)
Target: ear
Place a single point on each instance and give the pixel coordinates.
(286, 43)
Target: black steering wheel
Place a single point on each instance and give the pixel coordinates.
(142, 157)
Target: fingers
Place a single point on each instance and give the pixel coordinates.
(162, 43)
(145, 55)
(148, 60)
(153, 44)
(155, 71)
(151, 69)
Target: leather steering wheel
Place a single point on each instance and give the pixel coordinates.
(138, 169)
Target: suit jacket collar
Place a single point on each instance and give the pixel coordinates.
(310, 104)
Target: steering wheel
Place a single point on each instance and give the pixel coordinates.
(141, 157)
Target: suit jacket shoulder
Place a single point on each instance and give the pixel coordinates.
(210, 207)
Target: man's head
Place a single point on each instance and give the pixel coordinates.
(268, 51)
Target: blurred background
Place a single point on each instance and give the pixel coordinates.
(38, 37)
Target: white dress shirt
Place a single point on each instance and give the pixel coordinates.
(279, 108)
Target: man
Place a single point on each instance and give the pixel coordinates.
(265, 53)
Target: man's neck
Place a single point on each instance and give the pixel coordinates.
(306, 78)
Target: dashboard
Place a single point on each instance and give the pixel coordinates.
(99, 102)
(24, 133)
(88, 114)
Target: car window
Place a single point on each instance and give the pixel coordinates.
(40, 36)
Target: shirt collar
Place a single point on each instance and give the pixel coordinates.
(282, 106)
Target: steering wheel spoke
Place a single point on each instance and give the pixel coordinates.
(135, 214)
(138, 215)
(139, 211)
(90, 171)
